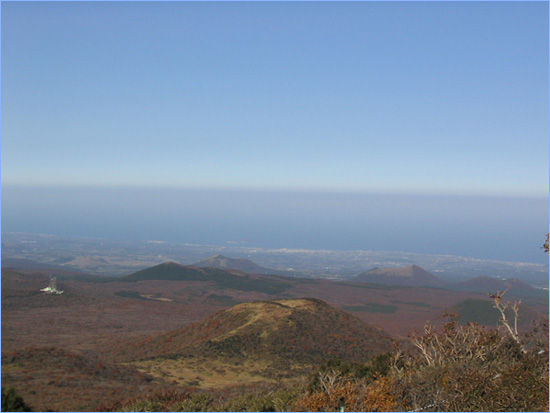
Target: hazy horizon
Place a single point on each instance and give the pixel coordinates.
(499, 228)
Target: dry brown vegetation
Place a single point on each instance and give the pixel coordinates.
(62, 352)
(282, 331)
(451, 368)
(58, 380)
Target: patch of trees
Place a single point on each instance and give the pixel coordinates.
(13, 402)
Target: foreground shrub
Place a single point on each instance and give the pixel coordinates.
(332, 370)
(351, 387)
(453, 368)
(275, 401)
(471, 368)
(162, 400)
(13, 402)
(379, 395)
(256, 399)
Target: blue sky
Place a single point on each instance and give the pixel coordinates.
(431, 97)
(413, 126)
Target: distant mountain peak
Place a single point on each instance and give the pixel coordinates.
(240, 264)
(411, 275)
(167, 271)
(171, 264)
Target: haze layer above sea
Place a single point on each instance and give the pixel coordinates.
(486, 227)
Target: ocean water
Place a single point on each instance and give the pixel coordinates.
(500, 228)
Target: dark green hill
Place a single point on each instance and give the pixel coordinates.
(484, 313)
(484, 284)
(171, 271)
(297, 330)
(223, 279)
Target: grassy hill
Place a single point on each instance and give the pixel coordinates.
(298, 330)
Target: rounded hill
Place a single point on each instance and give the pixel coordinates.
(302, 330)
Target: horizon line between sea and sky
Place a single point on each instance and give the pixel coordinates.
(373, 190)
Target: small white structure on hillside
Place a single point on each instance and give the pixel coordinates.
(52, 287)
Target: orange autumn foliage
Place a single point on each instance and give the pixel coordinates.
(378, 396)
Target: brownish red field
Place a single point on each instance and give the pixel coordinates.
(94, 318)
